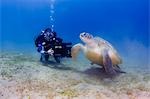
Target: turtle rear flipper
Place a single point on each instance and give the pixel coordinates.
(108, 64)
(118, 69)
(92, 63)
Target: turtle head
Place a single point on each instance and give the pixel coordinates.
(86, 37)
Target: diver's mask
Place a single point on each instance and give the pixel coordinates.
(48, 35)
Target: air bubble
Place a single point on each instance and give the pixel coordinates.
(52, 11)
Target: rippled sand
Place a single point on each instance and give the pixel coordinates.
(24, 77)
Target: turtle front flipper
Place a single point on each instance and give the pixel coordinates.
(75, 50)
(107, 62)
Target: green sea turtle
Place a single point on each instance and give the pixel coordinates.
(99, 52)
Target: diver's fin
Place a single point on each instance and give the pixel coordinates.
(75, 50)
(108, 64)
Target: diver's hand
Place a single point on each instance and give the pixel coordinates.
(50, 51)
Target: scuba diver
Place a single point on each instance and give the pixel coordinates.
(48, 44)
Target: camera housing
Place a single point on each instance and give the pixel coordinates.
(62, 49)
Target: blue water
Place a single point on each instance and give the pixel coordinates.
(124, 23)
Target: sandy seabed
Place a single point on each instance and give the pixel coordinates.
(24, 77)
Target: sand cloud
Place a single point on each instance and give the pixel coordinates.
(135, 53)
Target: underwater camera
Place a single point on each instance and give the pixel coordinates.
(62, 49)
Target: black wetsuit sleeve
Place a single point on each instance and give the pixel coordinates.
(39, 40)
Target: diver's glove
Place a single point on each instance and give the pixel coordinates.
(50, 52)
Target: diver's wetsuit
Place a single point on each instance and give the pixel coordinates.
(45, 43)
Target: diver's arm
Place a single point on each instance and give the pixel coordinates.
(40, 49)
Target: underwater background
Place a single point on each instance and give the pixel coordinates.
(123, 23)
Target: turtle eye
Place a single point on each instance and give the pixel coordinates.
(84, 34)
